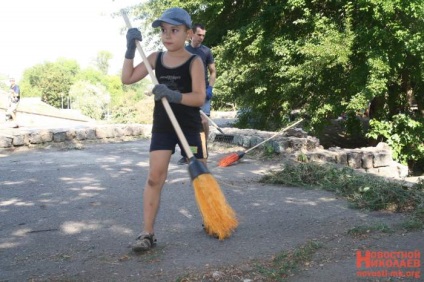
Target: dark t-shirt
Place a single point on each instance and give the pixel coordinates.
(205, 54)
(179, 79)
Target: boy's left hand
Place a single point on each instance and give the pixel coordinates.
(161, 90)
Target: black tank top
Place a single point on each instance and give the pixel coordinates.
(177, 78)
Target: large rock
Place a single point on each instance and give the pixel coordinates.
(5, 141)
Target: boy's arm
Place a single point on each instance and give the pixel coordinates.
(131, 74)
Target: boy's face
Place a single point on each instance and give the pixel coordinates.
(174, 36)
(198, 37)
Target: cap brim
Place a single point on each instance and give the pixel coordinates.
(158, 22)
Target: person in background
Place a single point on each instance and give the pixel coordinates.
(205, 53)
(14, 98)
(181, 82)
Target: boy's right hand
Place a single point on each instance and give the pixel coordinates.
(161, 90)
(133, 34)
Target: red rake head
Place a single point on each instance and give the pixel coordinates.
(230, 159)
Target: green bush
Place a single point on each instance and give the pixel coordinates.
(404, 135)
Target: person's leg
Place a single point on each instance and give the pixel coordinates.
(159, 161)
(198, 146)
(183, 160)
(8, 115)
(205, 124)
(206, 108)
(162, 146)
(13, 109)
(13, 115)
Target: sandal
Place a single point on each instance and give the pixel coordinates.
(144, 242)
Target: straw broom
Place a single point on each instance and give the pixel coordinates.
(219, 219)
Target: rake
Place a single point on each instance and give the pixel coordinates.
(234, 157)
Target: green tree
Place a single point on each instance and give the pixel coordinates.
(326, 58)
(112, 83)
(3, 85)
(50, 81)
(102, 61)
(30, 81)
(91, 100)
(131, 108)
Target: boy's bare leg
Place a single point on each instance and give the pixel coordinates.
(159, 162)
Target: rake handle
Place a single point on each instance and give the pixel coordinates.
(211, 121)
(273, 136)
(171, 115)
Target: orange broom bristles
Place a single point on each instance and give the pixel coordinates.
(229, 160)
(219, 218)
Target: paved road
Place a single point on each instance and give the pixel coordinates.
(70, 214)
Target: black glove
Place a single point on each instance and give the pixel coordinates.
(133, 34)
(161, 90)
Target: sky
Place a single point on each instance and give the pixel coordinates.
(34, 32)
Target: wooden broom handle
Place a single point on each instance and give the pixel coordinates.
(171, 115)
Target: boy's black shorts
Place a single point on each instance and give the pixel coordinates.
(168, 141)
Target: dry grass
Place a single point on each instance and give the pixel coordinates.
(145, 110)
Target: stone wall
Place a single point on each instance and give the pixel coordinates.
(296, 144)
(14, 138)
(376, 160)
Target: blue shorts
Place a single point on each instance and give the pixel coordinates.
(168, 141)
(206, 108)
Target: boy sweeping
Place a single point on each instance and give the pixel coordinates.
(181, 80)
